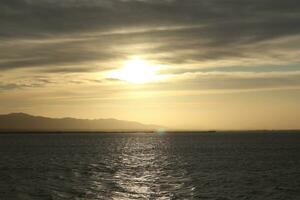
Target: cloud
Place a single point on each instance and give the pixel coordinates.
(9, 86)
(15, 86)
(225, 25)
(82, 36)
(23, 53)
(22, 82)
(228, 81)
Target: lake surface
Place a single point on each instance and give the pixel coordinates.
(219, 166)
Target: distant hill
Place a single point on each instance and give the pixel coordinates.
(26, 122)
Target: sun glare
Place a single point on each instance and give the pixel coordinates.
(135, 70)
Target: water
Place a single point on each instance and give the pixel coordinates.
(219, 166)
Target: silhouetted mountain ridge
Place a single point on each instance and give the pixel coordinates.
(26, 122)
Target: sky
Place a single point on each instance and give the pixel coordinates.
(185, 64)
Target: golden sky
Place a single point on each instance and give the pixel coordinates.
(182, 64)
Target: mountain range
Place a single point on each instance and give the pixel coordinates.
(26, 122)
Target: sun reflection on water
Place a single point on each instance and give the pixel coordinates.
(146, 172)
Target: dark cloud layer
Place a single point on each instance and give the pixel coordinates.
(74, 32)
(25, 18)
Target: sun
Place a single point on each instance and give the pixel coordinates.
(135, 70)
